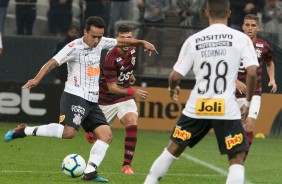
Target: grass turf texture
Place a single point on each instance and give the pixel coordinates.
(38, 160)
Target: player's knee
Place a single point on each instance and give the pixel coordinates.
(69, 133)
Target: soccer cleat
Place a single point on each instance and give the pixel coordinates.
(93, 176)
(90, 137)
(126, 169)
(17, 132)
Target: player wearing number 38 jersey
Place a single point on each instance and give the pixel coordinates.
(214, 54)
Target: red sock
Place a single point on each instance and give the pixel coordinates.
(250, 136)
(129, 144)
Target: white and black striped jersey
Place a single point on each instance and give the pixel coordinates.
(83, 67)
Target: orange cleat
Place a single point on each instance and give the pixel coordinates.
(126, 169)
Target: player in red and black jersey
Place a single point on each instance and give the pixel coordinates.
(116, 94)
(264, 54)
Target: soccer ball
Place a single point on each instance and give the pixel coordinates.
(73, 165)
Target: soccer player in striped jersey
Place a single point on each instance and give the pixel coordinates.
(116, 95)
(213, 54)
(264, 54)
(79, 101)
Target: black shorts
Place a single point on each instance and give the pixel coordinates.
(231, 137)
(76, 111)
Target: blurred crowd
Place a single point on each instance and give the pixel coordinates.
(60, 15)
(189, 13)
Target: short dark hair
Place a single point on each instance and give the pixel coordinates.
(218, 8)
(94, 21)
(124, 29)
(252, 17)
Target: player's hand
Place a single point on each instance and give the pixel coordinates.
(241, 87)
(174, 93)
(244, 112)
(149, 47)
(30, 84)
(274, 86)
(141, 94)
(1, 50)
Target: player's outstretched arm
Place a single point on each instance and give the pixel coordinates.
(50, 65)
(138, 93)
(131, 41)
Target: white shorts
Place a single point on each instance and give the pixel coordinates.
(254, 108)
(119, 109)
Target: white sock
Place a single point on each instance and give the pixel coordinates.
(160, 167)
(50, 130)
(236, 174)
(97, 154)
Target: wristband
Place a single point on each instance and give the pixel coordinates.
(247, 104)
(130, 91)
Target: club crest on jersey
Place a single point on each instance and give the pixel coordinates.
(77, 119)
(119, 59)
(181, 134)
(233, 141)
(133, 60)
(132, 51)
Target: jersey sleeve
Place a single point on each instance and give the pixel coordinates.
(65, 54)
(108, 43)
(109, 67)
(185, 59)
(249, 56)
(269, 56)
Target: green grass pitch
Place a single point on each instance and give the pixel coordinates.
(37, 160)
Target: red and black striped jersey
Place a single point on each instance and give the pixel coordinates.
(116, 68)
(264, 55)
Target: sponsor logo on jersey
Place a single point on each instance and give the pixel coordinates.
(181, 134)
(68, 54)
(133, 60)
(62, 118)
(124, 76)
(259, 45)
(71, 44)
(77, 119)
(121, 68)
(259, 52)
(132, 51)
(93, 71)
(210, 107)
(78, 109)
(214, 45)
(214, 37)
(233, 141)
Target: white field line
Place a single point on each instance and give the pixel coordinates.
(208, 165)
